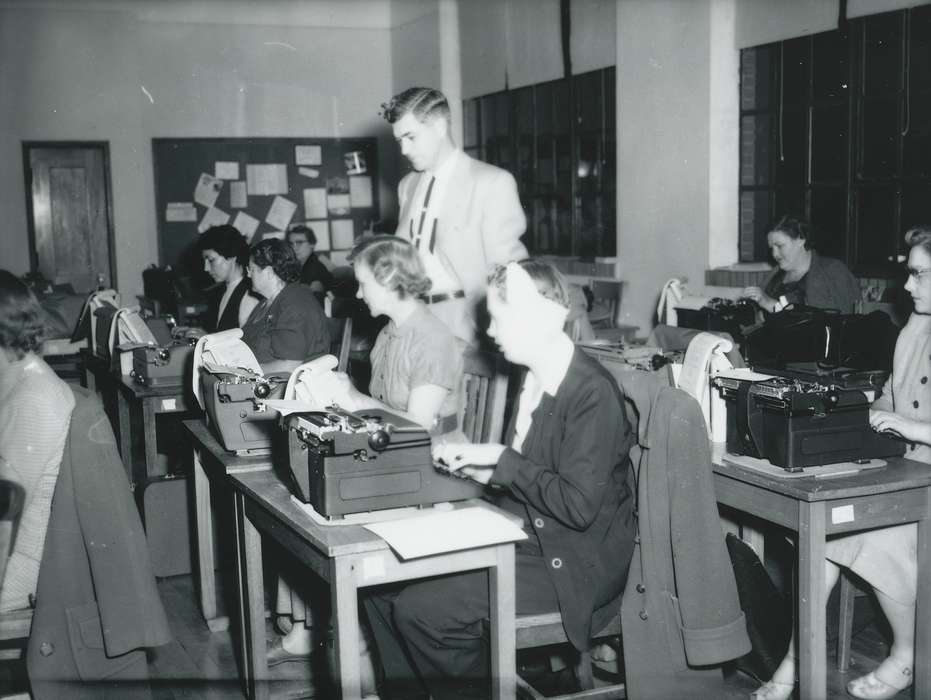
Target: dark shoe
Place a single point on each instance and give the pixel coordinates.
(277, 654)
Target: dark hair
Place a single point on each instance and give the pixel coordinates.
(227, 241)
(306, 230)
(919, 236)
(394, 263)
(793, 228)
(278, 254)
(549, 281)
(422, 102)
(22, 319)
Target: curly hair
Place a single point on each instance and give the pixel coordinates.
(227, 241)
(794, 228)
(22, 319)
(549, 281)
(395, 264)
(919, 236)
(280, 256)
(422, 102)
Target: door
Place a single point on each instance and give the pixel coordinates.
(70, 220)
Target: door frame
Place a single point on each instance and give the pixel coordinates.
(104, 147)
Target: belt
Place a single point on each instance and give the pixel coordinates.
(437, 298)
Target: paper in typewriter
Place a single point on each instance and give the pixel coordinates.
(313, 386)
(447, 531)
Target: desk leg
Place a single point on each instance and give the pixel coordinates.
(812, 599)
(203, 531)
(251, 596)
(150, 440)
(125, 429)
(501, 584)
(923, 611)
(344, 597)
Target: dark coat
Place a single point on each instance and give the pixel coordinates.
(571, 487)
(97, 605)
(680, 610)
(828, 285)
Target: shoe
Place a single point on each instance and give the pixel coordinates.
(277, 654)
(773, 690)
(888, 680)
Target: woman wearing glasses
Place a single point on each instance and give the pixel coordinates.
(886, 558)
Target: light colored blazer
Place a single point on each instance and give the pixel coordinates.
(479, 223)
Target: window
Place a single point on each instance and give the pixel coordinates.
(836, 127)
(558, 140)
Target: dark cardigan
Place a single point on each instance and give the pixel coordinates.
(571, 487)
(828, 284)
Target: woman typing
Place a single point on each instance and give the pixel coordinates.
(289, 326)
(887, 558)
(225, 254)
(803, 276)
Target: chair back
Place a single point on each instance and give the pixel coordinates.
(607, 299)
(12, 497)
(484, 389)
(340, 340)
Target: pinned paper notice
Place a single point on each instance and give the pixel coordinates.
(280, 213)
(360, 191)
(213, 217)
(238, 197)
(342, 233)
(273, 234)
(180, 211)
(315, 203)
(307, 155)
(321, 230)
(309, 172)
(267, 179)
(207, 189)
(355, 163)
(337, 204)
(226, 170)
(246, 225)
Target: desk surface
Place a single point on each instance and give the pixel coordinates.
(900, 473)
(148, 391)
(204, 437)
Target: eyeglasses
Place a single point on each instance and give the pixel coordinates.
(917, 274)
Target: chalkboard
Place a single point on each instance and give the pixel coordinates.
(261, 186)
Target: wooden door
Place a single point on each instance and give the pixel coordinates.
(70, 213)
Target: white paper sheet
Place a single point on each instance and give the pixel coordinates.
(280, 213)
(449, 531)
(309, 172)
(321, 230)
(180, 211)
(239, 198)
(342, 233)
(338, 204)
(247, 225)
(213, 217)
(207, 190)
(273, 234)
(315, 203)
(226, 170)
(265, 179)
(307, 155)
(360, 191)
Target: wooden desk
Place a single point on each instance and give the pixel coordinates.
(816, 508)
(212, 462)
(349, 557)
(138, 407)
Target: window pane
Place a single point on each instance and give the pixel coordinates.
(829, 143)
(920, 48)
(875, 221)
(879, 133)
(543, 107)
(756, 77)
(829, 217)
(796, 63)
(524, 128)
(831, 72)
(881, 45)
(789, 201)
(916, 206)
(588, 99)
(916, 147)
(755, 218)
(470, 123)
(755, 138)
(790, 168)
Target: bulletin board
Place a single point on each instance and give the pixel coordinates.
(262, 186)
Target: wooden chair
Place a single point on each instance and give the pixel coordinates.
(484, 389)
(15, 624)
(607, 299)
(339, 323)
(849, 592)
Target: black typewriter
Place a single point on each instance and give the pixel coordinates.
(342, 463)
(795, 423)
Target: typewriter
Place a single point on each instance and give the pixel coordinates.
(342, 463)
(795, 423)
(722, 315)
(165, 356)
(236, 411)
